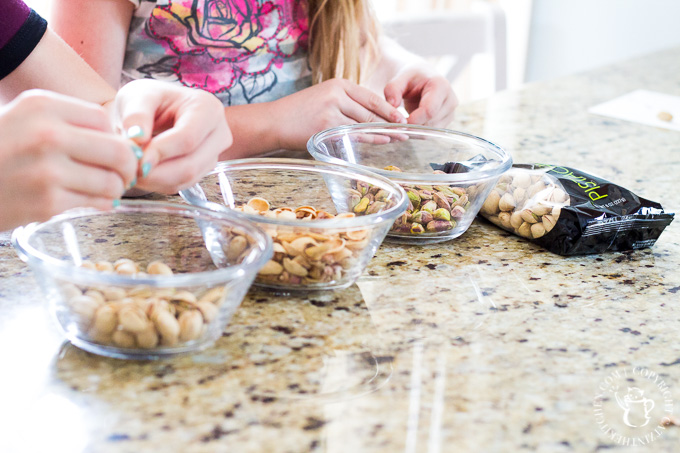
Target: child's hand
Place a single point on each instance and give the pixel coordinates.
(332, 103)
(58, 153)
(428, 99)
(182, 131)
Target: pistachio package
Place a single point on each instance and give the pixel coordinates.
(570, 212)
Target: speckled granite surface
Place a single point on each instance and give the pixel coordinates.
(486, 343)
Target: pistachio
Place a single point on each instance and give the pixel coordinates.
(537, 230)
(148, 338)
(548, 222)
(362, 205)
(439, 225)
(190, 325)
(524, 230)
(522, 180)
(414, 197)
(441, 214)
(417, 228)
(208, 310)
(429, 206)
(132, 319)
(123, 339)
(528, 216)
(84, 307)
(422, 217)
(105, 321)
(507, 203)
(516, 219)
(490, 206)
(504, 219)
(158, 268)
(392, 168)
(441, 201)
(168, 328)
(104, 266)
(376, 207)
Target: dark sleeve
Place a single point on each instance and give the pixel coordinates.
(15, 47)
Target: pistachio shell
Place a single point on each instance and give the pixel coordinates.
(528, 216)
(294, 268)
(548, 222)
(236, 246)
(258, 204)
(504, 219)
(271, 268)
(516, 219)
(213, 295)
(167, 327)
(158, 267)
(356, 235)
(208, 310)
(524, 230)
(104, 266)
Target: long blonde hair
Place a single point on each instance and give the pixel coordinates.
(343, 37)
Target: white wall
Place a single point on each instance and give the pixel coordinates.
(569, 36)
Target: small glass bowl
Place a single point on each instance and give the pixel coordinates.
(442, 205)
(322, 240)
(145, 280)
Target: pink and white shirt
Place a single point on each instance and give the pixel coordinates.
(243, 51)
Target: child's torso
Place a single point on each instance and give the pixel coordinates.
(243, 51)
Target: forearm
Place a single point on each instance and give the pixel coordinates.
(253, 128)
(54, 66)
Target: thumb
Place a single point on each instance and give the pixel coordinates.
(395, 89)
(136, 116)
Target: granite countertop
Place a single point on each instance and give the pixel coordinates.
(485, 343)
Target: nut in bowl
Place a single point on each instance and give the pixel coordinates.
(447, 175)
(320, 240)
(145, 280)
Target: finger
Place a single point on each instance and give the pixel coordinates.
(430, 105)
(112, 152)
(373, 103)
(178, 173)
(394, 90)
(65, 109)
(89, 180)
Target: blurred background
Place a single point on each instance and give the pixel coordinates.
(488, 45)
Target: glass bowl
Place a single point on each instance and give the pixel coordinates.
(447, 174)
(323, 237)
(146, 279)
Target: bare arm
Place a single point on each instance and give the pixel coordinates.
(97, 30)
(54, 66)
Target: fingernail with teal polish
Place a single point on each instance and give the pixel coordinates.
(146, 168)
(116, 203)
(137, 150)
(133, 183)
(135, 132)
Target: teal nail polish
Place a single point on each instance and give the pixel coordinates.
(146, 168)
(116, 203)
(135, 132)
(133, 183)
(137, 150)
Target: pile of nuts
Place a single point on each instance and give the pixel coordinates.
(431, 209)
(525, 203)
(141, 317)
(302, 256)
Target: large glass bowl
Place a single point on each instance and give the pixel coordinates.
(146, 279)
(323, 236)
(447, 174)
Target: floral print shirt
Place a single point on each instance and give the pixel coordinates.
(243, 51)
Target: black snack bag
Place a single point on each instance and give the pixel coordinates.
(570, 212)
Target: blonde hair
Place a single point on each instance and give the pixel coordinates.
(343, 37)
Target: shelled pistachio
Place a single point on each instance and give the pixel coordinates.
(431, 208)
(141, 316)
